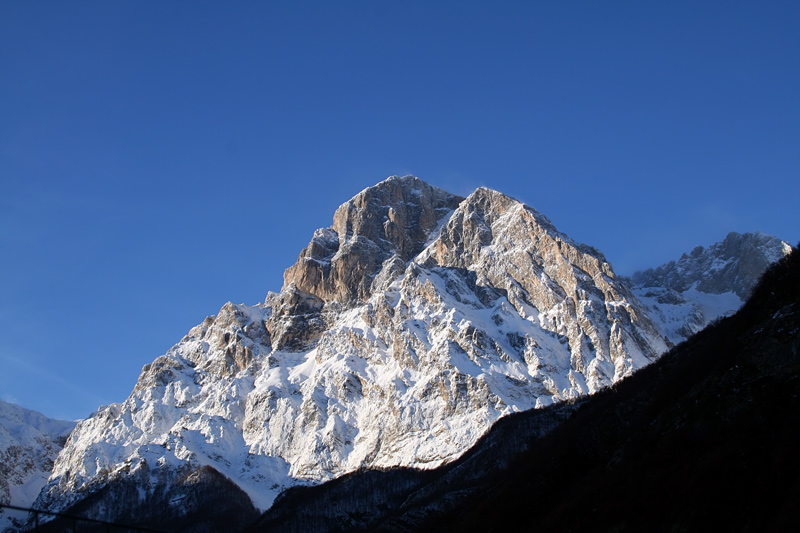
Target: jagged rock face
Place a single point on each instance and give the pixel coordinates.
(394, 219)
(568, 288)
(733, 265)
(402, 333)
(684, 296)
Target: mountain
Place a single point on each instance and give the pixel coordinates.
(401, 334)
(29, 444)
(703, 439)
(684, 296)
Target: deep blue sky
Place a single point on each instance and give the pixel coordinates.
(158, 159)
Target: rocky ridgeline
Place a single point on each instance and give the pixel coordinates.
(684, 296)
(733, 265)
(401, 334)
(566, 288)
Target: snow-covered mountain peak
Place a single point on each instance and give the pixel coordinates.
(402, 332)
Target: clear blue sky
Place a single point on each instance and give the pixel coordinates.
(158, 159)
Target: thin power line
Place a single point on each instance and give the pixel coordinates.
(74, 519)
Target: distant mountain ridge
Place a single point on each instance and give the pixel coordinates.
(684, 296)
(733, 265)
(401, 334)
(29, 444)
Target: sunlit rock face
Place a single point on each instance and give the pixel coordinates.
(393, 219)
(401, 334)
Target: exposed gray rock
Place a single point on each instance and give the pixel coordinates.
(684, 296)
(395, 217)
(733, 265)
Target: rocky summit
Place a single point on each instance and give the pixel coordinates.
(401, 334)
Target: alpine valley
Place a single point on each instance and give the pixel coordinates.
(401, 335)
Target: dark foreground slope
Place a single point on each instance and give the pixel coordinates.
(706, 437)
(202, 501)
